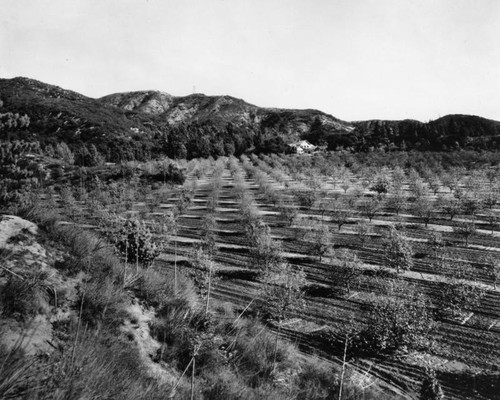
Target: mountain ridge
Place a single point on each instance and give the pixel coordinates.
(150, 122)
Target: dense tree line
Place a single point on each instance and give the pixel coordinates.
(453, 132)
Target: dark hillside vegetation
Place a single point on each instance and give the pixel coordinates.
(152, 124)
(452, 132)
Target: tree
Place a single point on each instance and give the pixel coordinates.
(434, 184)
(283, 291)
(401, 319)
(452, 179)
(381, 185)
(435, 242)
(490, 198)
(450, 206)
(306, 198)
(320, 240)
(340, 213)
(431, 389)
(470, 204)
(208, 239)
(283, 294)
(370, 206)
(204, 273)
(397, 251)
(363, 230)
(345, 186)
(397, 201)
(64, 153)
(492, 264)
(346, 273)
(289, 212)
(169, 226)
(265, 252)
(492, 218)
(418, 188)
(398, 178)
(183, 202)
(457, 296)
(465, 229)
(423, 208)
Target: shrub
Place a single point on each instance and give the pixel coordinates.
(225, 384)
(431, 389)
(16, 376)
(23, 297)
(180, 328)
(255, 350)
(86, 252)
(136, 242)
(100, 368)
(100, 300)
(156, 288)
(316, 382)
(397, 321)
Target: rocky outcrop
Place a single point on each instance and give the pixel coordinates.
(148, 102)
(34, 295)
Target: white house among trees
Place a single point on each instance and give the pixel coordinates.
(303, 146)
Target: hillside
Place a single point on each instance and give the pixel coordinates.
(148, 124)
(447, 133)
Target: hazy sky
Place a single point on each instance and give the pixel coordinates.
(354, 59)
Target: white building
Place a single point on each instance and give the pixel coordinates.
(303, 146)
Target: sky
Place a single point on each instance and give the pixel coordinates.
(354, 59)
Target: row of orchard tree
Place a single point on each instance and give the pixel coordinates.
(284, 285)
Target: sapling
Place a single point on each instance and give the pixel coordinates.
(283, 293)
